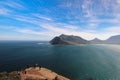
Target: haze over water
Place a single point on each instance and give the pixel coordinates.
(85, 62)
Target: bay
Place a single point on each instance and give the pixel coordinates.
(85, 62)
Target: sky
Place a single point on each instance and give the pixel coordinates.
(45, 19)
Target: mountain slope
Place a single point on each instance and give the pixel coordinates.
(113, 40)
(96, 41)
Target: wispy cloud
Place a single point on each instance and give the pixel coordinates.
(50, 29)
(22, 37)
(4, 11)
(43, 17)
(91, 9)
(26, 19)
(113, 29)
(12, 4)
(73, 17)
(87, 8)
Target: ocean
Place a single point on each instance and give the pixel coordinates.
(85, 62)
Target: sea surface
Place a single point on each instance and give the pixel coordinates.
(85, 62)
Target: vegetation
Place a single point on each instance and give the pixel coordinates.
(10, 76)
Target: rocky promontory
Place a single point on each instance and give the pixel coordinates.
(32, 73)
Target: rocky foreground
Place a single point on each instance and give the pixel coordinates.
(32, 73)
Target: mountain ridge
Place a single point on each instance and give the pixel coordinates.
(76, 40)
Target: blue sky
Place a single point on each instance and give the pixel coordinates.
(44, 19)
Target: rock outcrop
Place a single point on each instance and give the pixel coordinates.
(32, 73)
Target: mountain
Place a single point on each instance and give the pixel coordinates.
(96, 41)
(75, 40)
(68, 40)
(113, 40)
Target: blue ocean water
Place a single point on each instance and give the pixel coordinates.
(85, 62)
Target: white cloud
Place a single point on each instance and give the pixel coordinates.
(54, 29)
(22, 37)
(114, 29)
(12, 4)
(92, 25)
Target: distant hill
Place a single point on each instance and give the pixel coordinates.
(68, 40)
(113, 40)
(96, 41)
